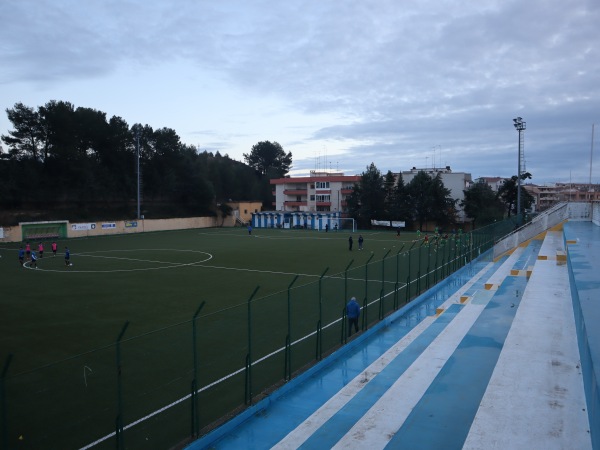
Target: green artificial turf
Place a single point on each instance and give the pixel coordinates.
(61, 323)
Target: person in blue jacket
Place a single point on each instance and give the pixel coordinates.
(353, 313)
(33, 260)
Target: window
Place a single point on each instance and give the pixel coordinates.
(322, 184)
(324, 198)
(312, 198)
(245, 211)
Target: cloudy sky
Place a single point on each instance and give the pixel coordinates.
(340, 84)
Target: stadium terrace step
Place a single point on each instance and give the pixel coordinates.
(535, 397)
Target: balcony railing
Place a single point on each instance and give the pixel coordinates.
(294, 203)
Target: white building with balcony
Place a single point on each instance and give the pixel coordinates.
(319, 192)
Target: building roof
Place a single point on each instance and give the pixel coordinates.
(334, 178)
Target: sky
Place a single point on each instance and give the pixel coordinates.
(339, 84)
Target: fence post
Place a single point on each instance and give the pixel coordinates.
(382, 292)
(444, 262)
(344, 337)
(429, 262)
(288, 339)
(437, 250)
(396, 294)
(195, 416)
(408, 277)
(419, 271)
(119, 420)
(3, 414)
(365, 322)
(455, 257)
(248, 374)
(319, 351)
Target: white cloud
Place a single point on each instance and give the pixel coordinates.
(374, 81)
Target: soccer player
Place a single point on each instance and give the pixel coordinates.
(33, 260)
(360, 242)
(54, 248)
(28, 250)
(350, 242)
(67, 257)
(41, 250)
(21, 255)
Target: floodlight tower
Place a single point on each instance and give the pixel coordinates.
(520, 127)
(137, 148)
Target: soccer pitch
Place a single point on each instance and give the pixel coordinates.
(60, 323)
(158, 279)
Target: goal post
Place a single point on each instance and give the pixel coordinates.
(341, 223)
(34, 231)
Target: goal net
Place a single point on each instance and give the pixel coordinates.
(338, 223)
(44, 230)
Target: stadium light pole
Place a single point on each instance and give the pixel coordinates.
(137, 146)
(520, 127)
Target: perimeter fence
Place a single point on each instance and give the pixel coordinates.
(170, 386)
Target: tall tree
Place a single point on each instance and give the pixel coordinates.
(26, 140)
(389, 184)
(508, 194)
(61, 129)
(401, 206)
(367, 201)
(481, 204)
(430, 200)
(444, 206)
(269, 159)
(420, 201)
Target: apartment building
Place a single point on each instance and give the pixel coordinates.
(494, 182)
(549, 195)
(319, 192)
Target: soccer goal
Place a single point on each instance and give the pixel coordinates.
(33, 231)
(339, 224)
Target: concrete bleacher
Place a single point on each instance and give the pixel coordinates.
(488, 359)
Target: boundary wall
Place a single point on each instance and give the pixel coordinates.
(583, 293)
(104, 228)
(575, 211)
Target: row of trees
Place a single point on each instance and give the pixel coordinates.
(485, 206)
(425, 199)
(63, 161)
(66, 160)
